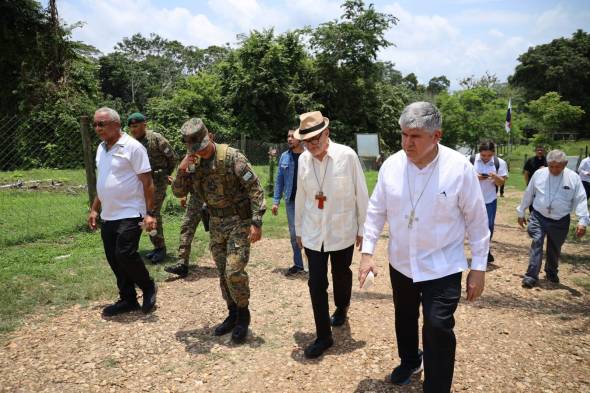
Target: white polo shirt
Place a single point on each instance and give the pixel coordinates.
(119, 189)
(488, 186)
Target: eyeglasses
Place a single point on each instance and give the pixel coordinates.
(315, 140)
(101, 124)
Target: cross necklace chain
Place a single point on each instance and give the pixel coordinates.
(412, 217)
(551, 195)
(320, 197)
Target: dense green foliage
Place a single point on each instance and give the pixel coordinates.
(258, 87)
(562, 66)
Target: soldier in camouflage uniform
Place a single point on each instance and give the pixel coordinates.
(224, 179)
(190, 221)
(163, 161)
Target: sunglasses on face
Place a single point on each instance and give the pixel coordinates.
(315, 140)
(101, 124)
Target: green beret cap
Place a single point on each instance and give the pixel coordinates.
(135, 118)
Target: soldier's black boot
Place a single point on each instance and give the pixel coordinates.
(241, 330)
(180, 269)
(228, 324)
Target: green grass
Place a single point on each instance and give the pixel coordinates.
(26, 216)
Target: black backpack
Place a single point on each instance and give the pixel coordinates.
(496, 164)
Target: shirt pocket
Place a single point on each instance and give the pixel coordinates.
(446, 207)
(565, 195)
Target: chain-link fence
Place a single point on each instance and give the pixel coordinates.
(43, 186)
(30, 143)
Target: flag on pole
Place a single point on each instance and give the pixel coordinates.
(508, 125)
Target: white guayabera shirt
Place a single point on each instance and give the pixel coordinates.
(451, 206)
(341, 219)
(556, 196)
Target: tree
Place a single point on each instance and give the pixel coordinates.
(561, 66)
(263, 83)
(487, 80)
(437, 85)
(550, 114)
(346, 75)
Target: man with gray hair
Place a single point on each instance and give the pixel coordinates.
(554, 192)
(431, 198)
(125, 200)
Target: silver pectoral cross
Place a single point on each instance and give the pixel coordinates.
(411, 218)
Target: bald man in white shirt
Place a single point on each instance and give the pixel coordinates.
(431, 198)
(330, 208)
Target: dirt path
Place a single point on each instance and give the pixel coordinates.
(511, 340)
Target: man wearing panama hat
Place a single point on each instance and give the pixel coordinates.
(330, 209)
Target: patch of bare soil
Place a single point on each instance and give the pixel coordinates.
(511, 340)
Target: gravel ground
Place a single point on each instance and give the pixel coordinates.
(511, 340)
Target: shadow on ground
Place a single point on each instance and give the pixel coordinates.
(343, 343)
(515, 301)
(381, 386)
(195, 273)
(202, 341)
(301, 276)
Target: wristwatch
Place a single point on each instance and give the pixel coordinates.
(150, 213)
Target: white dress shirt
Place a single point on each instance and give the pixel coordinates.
(337, 225)
(488, 186)
(584, 169)
(565, 193)
(119, 189)
(451, 206)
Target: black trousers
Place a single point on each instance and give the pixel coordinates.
(439, 300)
(121, 240)
(318, 284)
(586, 185)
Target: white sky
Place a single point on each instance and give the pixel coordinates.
(455, 38)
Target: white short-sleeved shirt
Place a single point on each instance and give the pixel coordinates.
(119, 189)
(488, 187)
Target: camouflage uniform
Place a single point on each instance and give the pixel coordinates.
(190, 221)
(163, 161)
(235, 199)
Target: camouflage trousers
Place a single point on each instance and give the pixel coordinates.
(160, 185)
(190, 221)
(230, 249)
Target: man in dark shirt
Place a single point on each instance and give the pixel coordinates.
(532, 164)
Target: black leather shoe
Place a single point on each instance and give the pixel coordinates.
(149, 298)
(554, 278)
(180, 269)
(120, 307)
(229, 323)
(150, 254)
(339, 316)
(528, 282)
(240, 331)
(159, 255)
(401, 374)
(293, 270)
(318, 347)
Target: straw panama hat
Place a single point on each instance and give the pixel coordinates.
(310, 125)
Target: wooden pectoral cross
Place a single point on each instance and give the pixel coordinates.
(321, 198)
(411, 218)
